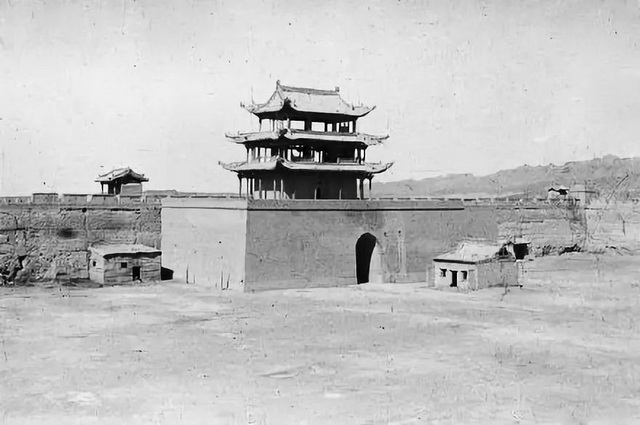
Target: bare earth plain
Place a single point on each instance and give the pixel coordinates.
(564, 349)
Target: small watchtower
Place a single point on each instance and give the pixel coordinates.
(122, 180)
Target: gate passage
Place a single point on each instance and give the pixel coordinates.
(364, 249)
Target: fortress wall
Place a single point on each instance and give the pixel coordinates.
(203, 240)
(550, 228)
(50, 234)
(307, 243)
(289, 243)
(613, 224)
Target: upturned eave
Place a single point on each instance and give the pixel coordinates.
(286, 135)
(278, 163)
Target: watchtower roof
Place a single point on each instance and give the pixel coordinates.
(122, 174)
(303, 100)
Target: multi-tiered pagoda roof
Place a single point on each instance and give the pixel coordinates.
(311, 148)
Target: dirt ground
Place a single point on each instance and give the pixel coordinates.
(564, 349)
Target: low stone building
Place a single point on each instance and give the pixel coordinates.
(121, 264)
(476, 265)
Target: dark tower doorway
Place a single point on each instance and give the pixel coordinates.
(364, 248)
(135, 273)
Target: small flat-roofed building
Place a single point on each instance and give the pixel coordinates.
(476, 265)
(557, 192)
(121, 264)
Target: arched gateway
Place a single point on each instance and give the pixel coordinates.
(365, 247)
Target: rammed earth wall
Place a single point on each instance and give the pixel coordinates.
(49, 234)
(234, 243)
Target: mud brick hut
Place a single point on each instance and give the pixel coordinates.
(122, 264)
(476, 265)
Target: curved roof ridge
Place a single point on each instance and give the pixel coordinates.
(120, 173)
(308, 90)
(302, 99)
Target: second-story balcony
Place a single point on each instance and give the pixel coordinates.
(286, 136)
(280, 163)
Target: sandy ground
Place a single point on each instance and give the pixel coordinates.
(565, 349)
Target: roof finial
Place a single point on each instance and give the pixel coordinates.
(337, 89)
(277, 83)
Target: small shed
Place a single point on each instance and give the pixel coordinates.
(121, 264)
(476, 265)
(557, 192)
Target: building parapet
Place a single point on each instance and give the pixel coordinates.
(15, 200)
(77, 199)
(353, 204)
(45, 198)
(205, 202)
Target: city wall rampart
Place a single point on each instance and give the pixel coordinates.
(47, 235)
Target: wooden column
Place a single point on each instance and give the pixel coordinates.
(370, 187)
(274, 187)
(239, 186)
(281, 187)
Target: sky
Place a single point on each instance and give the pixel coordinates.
(461, 86)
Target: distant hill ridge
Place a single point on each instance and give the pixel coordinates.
(607, 175)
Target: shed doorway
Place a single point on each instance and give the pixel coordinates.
(135, 273)
(454, 279)
(365, 247)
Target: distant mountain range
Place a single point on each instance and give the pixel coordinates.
(608, 175)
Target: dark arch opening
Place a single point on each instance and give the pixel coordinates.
(364, 249)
